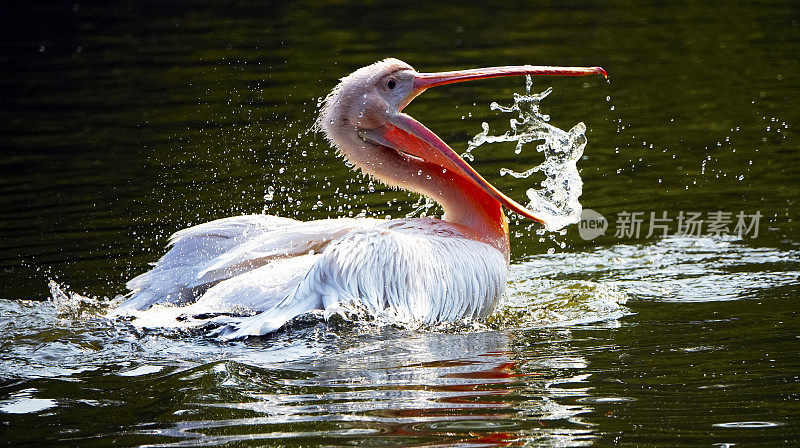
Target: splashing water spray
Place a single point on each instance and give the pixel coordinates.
(556, 203)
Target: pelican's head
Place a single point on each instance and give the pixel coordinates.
(363, 118)
(365, 100)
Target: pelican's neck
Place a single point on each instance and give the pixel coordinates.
(465, 204)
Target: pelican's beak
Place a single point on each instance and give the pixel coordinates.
(423, 81)
(407, 135)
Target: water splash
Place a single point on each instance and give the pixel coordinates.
(71, 304)
(556, 203)
(533, 302)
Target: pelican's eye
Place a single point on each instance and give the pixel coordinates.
(391, 84)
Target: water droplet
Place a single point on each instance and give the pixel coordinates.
(270, 194)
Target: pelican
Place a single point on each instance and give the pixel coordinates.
(272, 269)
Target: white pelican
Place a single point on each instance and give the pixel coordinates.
(416, 269)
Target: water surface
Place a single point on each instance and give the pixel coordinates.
(124, 123)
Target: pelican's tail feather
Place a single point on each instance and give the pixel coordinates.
(186, 270)
(209, 254)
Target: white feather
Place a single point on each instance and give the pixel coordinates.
(204, 255)
(422, 270)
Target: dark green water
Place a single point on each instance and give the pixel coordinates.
(123, 123)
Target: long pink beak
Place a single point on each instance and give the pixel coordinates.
(410, 136)
(426, 80)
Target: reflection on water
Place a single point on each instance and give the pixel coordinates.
(21, 403)
(422, 396)
(391, 388)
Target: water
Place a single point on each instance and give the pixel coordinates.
(556, 203)
(124, 123)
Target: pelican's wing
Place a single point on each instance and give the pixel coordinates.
(413, 276)
(256, 290)
(207, 254)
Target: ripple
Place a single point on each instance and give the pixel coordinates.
(672, 269)
(605, 399)
(23, 403)
(533, 302)
(142, 370)
(748, 425)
